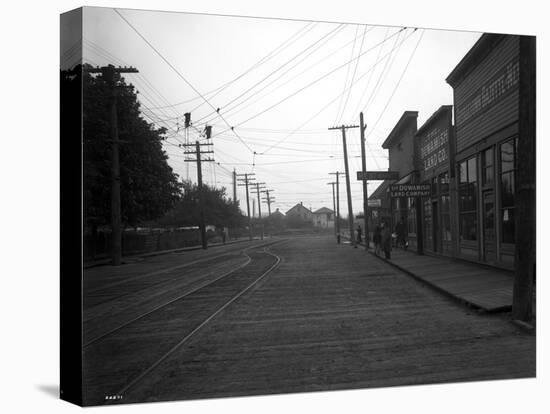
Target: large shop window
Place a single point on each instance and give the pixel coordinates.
(487, 169)
(468, 199)
(507, 189)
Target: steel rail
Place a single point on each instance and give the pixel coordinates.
(110, 332)
(201, 325)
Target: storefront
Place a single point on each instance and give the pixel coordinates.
(486, 99)
(434, 144)
(401, 148)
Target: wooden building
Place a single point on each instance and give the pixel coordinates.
(486, 101)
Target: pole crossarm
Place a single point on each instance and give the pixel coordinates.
(343, 127)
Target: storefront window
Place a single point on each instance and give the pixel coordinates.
(468, 199)
(444, 183)
(507, 189)
(487, 166)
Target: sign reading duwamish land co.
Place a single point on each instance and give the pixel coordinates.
(410, 190)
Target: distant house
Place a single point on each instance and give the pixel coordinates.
(299, 214)
(277, 215)
(324, 217)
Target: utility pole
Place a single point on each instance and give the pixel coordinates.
(338, 174)
(268, 199)
(246, 181)
(111, 75)
(198, 160)
(365, 189)
(260, 209)
(348, 186)
(234, 186)
(525, 220)
(333, 203)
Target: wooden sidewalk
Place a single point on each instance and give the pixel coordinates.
(485, 288)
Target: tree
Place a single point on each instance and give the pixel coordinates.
(219, 210)
(149, 187)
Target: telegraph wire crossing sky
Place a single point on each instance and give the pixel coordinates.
(270, 89)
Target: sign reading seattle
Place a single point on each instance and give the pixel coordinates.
(410, 190)
(378, 175)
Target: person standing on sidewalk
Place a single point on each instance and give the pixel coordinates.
(359, 232)
(377, 240)
(386, 240)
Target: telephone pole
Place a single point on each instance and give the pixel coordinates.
(268, 199)
(338, 174)
(525, 220)
(333, 203)
(260, 209)
(198, 160)
(247, 179)
(234, 186)
(348, 186)
(365, 190)
(111, 75)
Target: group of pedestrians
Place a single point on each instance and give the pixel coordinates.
(383, 238)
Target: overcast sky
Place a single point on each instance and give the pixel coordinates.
(281, 85)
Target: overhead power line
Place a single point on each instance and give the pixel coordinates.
(399, 81)
(182, 77)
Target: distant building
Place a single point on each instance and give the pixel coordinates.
(299, 215)
(324, 217)
(277, 214)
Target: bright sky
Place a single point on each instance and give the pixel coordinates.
(281, 85)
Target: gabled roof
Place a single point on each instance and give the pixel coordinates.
(403, 121)
(277, 213)
(443, 109)
(299, 205)
(323, 210)
(478, 51)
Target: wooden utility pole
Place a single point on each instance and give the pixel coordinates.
(348, 186)
(260, 209)
(525, 215)
(268, 199)
(338, 235)
(333, 203)
(362, 127)
(234, 187)
(111, 75)
(247, 179)
(198, 160)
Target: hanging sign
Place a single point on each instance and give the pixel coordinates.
(377, 175)
(410, 190)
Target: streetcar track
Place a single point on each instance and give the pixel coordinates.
(208, 283)
(170, 269)
(111, 298)
(202, 324)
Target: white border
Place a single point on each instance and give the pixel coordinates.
(30, 194)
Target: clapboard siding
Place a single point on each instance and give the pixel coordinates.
(503, 111)
(497, 117)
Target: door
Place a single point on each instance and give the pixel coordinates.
(435, 226)
(489, 232)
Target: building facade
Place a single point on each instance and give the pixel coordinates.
(299, 213)
(401, 150)
(434, 152)
(486, 100)
(324, 218)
